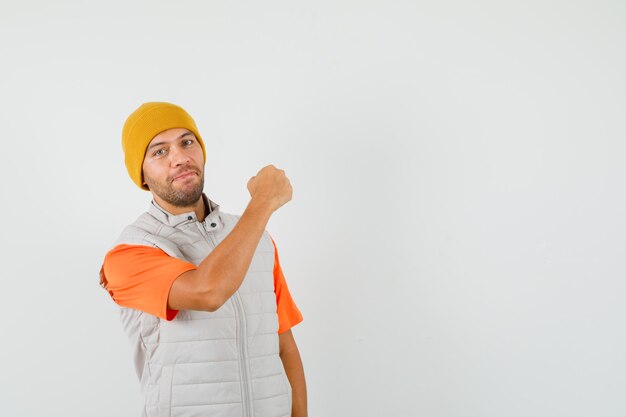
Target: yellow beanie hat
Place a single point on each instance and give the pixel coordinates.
(143, 125)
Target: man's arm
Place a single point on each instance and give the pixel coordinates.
(220, 274)
(290, 356)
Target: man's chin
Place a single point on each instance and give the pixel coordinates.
(187, 194)
(180, 193)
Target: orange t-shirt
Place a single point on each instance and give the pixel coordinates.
(140, 277)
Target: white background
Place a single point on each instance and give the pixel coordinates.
(457, 234)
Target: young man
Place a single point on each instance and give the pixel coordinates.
(203, 297)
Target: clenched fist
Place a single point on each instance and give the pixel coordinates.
(270, 187)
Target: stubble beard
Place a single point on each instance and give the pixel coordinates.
(182, 197)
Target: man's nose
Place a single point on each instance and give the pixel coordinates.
(178, 156)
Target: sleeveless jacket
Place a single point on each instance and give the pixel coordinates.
(224, 363)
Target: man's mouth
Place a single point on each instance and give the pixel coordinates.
(184, 175)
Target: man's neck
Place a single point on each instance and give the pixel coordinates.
(198, 207)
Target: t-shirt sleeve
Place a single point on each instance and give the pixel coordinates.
(288, 313)
(141, 277)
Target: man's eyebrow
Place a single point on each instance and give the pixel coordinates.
(155, 144)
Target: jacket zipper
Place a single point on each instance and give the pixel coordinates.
(243, 353)
(243, 348)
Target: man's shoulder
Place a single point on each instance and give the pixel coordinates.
(139, 231)
(147, 231)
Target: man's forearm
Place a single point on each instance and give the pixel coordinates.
(226, 266)
(290, 356)
(221, 273)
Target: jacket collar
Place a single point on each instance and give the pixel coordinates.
(175, 220)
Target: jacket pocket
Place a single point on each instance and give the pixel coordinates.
(165, 391)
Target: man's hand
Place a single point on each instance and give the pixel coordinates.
(270, 187)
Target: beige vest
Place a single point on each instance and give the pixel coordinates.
(223, 363)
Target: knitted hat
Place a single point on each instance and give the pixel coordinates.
(143, 125)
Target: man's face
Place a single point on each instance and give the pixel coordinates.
(173, 167)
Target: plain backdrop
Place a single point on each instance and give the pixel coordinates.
(457, 234)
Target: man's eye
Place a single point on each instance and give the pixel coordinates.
(159, 152)
(188, 142)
